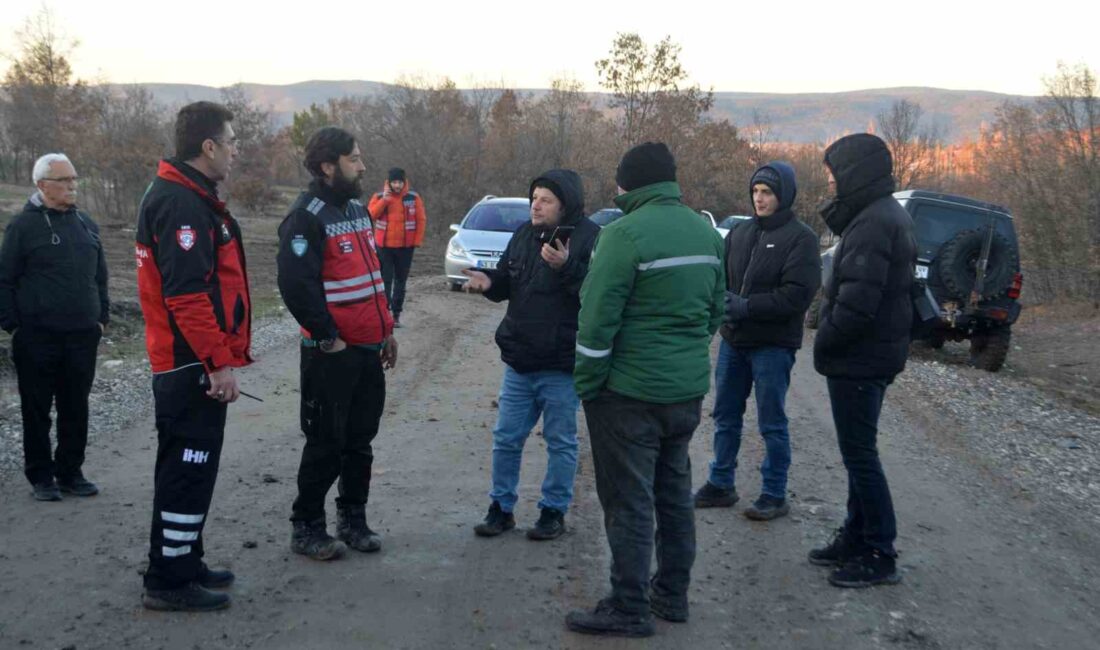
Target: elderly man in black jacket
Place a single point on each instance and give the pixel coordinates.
(862, 344)
(773, 270)
(53, 301)
(540, 275)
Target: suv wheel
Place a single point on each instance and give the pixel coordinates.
(989, 349)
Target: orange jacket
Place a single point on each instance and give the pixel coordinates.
(398, 220)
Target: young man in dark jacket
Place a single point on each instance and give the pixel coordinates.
(862, 344)
(540, 275)
(773, 270)
(331, 281)
(53, 301)
(194, 294)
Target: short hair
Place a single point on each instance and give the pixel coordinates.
(196, 123)
(42, 165)
(326, 145)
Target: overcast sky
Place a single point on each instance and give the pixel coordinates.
(791, 46)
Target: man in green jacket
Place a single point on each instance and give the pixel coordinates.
(651, 302)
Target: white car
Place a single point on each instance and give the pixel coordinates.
(729, 222)
(482, 236)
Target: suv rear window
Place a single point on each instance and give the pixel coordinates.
(936, 223)
(497, 217)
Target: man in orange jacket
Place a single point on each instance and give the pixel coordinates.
(399, 220)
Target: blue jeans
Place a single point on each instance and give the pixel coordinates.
(523, 398)
(738, 371)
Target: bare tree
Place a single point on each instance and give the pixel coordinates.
(913, 147)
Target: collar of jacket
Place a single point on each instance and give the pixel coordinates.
(666, 193)
(194, 180)
(323, 191)
(35, 203)
(778, 219)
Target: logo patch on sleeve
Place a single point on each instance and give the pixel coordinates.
(346, 246)
(185, 237)
(299, 245)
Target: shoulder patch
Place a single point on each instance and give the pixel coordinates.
(185, 237)
(315, 206)
(299, 245)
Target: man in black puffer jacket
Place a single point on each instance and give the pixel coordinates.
(862, 344)
(773, 270)
(540, 275)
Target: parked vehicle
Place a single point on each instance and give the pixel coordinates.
(729, 222)
(482, 235)
(605, 216)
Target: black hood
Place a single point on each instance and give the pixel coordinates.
(567, 186)
(863, 169)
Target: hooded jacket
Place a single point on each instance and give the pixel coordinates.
(53, 273)
(773, 262)
(866, 310)
(539, 330)
(398, 220)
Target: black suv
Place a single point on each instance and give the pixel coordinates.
(968, 262)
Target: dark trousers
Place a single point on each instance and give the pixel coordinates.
(190, 430)
(856, 405)
(396, 263)
(640, 455)
(54, 365)
(343, 394)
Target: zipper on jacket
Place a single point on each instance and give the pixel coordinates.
(363, 254)
(752, 256)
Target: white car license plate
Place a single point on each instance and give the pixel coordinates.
(922, 272)
(486, 264)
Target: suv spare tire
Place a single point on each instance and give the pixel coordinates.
(957, 262)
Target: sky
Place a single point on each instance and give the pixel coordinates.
(789, 46)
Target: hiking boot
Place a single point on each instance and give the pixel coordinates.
(214, 579)
(551, 525)
(712, 496)
(47, 491)
(767, 507)
(311, 539)
(352, 529)
(496, 522)
(842, 548)
(189, 598)
(606, 620)
(77, 485)
(867, 569)
(668, 608)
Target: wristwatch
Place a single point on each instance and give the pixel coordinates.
(326, 345)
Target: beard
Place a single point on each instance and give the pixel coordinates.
(347, 188)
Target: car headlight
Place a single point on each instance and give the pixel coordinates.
(455, 249)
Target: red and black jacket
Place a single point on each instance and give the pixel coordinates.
(191, 274)
(329, 274)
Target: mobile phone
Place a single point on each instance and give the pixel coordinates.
(561, 233)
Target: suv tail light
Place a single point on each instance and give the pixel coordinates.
(1017, 286)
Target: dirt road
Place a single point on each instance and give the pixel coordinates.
(984, 566)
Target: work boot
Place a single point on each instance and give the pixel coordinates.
(869, 568)
(673, 610)
(837, 552)
(77, 485)
(352, 529)
(712, 496)
(214, 579)
(189, 598)
(767, 507)
(496, 522)
(47, 491)
(551, 525)
(311, 539)
(605, 620)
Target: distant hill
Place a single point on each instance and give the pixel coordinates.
(801, 117)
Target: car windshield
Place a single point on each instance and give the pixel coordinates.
(603, 217)
(497, 217)
(935, 223)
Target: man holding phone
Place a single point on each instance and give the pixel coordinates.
(540, 275)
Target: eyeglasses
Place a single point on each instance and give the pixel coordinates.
(63, 179)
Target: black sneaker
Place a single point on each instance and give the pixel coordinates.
(767, 507)
(312, 540)
(551, 525)
(352, 529)
(190, 598)
(867, 569)
(77, 485)
(712, 496)
(496, 522)
(605, 620)
(47, 491)
(838, 551)
(214, 579)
